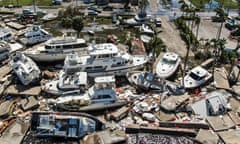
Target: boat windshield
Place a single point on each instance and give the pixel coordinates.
(195, 76)
(168, 61)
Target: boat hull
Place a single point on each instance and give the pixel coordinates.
(51, 57)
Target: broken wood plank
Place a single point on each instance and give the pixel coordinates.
(133, 128)
(189, 125)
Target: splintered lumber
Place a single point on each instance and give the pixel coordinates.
(29, 103)
(189, 125)
(230, 137)
(6, 108)
(6, 123)
(174, 102)
(221, 78)
(6, 69)
(131, 129)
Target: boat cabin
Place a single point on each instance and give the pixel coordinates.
(64, 43)
(170, 58)
(198, 73)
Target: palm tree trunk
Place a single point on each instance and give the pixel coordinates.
(219, 31)
(197, 31)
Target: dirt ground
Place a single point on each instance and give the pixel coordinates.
(208, 30)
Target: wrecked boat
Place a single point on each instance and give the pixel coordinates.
(101, 96)
(145, 80)
(168, 65)
(25, 68)
(196, 77)
(64, 124)
(67, 83)
(104, 59)
(56, 49)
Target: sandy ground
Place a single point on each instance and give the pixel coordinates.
(172, 39)
(208, 30)
(170, 35)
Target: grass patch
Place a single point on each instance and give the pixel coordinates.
(226, 3)
(26, 2)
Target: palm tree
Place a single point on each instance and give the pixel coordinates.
(197, 22)
(222, 17)
(188, 43)
(77, 24)
(143, 6)
(126, 4)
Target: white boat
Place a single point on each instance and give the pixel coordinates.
(25, 68)
(101, 95)
(167, 65)
(146, 33)
(104, 59)
(64, 124)
(56, 49)
(196, 77)
(145, 80)
(49, 17)
(138, 20)
(34, 35)
(67, 83)
(6, 34)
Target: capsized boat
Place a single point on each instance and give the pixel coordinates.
(167, 65)
(100, 96)
(67, 83)
(25, 68)
(104, 59)
(56, 49)
(145, 80)
(64, 124)
(196, 77)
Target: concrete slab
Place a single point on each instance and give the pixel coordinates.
(220, 123)
(207, 137)
(23, 90)
(230, 137)
(235, 117)
(165, 116)
(15, 133)
(221, 78)
(173, 102)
